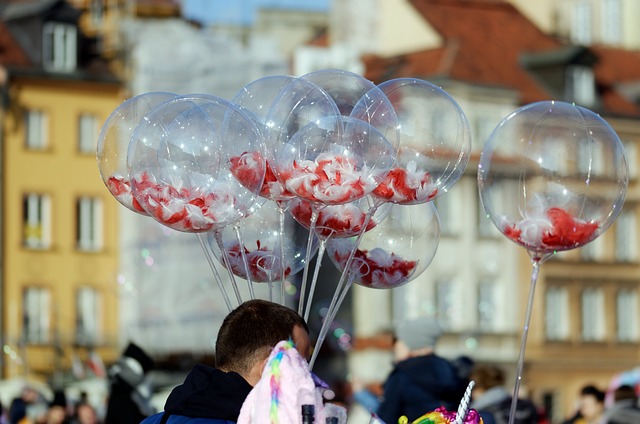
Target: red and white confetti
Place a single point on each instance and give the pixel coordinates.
(407, 186)
(554, 229)
(263, 262)
(333, 221)
(376, 268)
(330, 179)
(180, 208)
(248, 169)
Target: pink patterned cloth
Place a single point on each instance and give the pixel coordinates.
(286, 384)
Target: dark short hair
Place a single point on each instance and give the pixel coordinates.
(487, 376)
(624, 392)
(250, 331)
(591, 390)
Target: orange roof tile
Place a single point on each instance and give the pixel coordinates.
(10, 52)
(484, 41)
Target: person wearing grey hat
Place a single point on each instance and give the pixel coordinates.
(421, 381)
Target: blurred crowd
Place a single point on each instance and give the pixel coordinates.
(420, 381)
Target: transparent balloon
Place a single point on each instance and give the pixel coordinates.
(434, 142)
(257, 99)
(334, 161)
(180, 160)
(552, 176)
(113, 143)
(257, 251)
(347, 220)
(396, 251)
(359, 98)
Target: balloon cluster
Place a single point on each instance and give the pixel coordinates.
(292, 167)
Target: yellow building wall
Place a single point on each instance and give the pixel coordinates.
(63, 173)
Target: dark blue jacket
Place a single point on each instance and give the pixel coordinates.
(207, 396)
(419, 385)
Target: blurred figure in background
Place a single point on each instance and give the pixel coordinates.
(492, 400)
(85, 414)
(421, 381)
(590, 406)
(625, 408)
(129, 393)
(18, 410)
(57, 411)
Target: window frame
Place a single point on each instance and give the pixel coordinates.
(36, 221)
(36, 123)
(40, 313)
(89, 223)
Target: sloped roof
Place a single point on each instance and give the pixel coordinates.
(10, 52)
(484, 42)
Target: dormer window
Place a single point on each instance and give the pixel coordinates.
(581, 85)
(59, 46)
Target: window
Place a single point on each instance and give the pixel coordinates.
(590, 161)
(96, 10)
(484, 126)
(631, 153)
(611, 21)
(87, 133)
(593, 250)
(445, 212)
(625, 230)
(487, 305)
(89, 224)
(36, 130)
(37, 221)
(556, 313)
(627, 315)
(581, 24)
(592, 314)
(59, 46)
(581, 85)
(444, 301)
(36, 315)
(88, 316)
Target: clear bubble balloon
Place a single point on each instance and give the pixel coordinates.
(347, 220)
(333, 161)
(257, 251)
(395, 252)
(181, 163)
(113, 143)
(552, 176)
(359, 98)
(256, 99)
(434, 142)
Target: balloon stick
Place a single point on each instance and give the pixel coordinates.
(227, 264)
(303, 288)
(245, 262)
(216, 274)
(523, 342)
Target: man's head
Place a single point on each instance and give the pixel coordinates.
(419, 336)
(486, 377)
(250, 331)
(591, 402)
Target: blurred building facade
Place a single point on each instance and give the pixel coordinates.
(59, 227)
(490, 56)
(492, 59)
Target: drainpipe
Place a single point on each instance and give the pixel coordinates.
(4, 104)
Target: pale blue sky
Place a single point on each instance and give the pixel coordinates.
(241, 12)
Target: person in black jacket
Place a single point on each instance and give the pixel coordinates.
(245, 340)
(422, 381)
